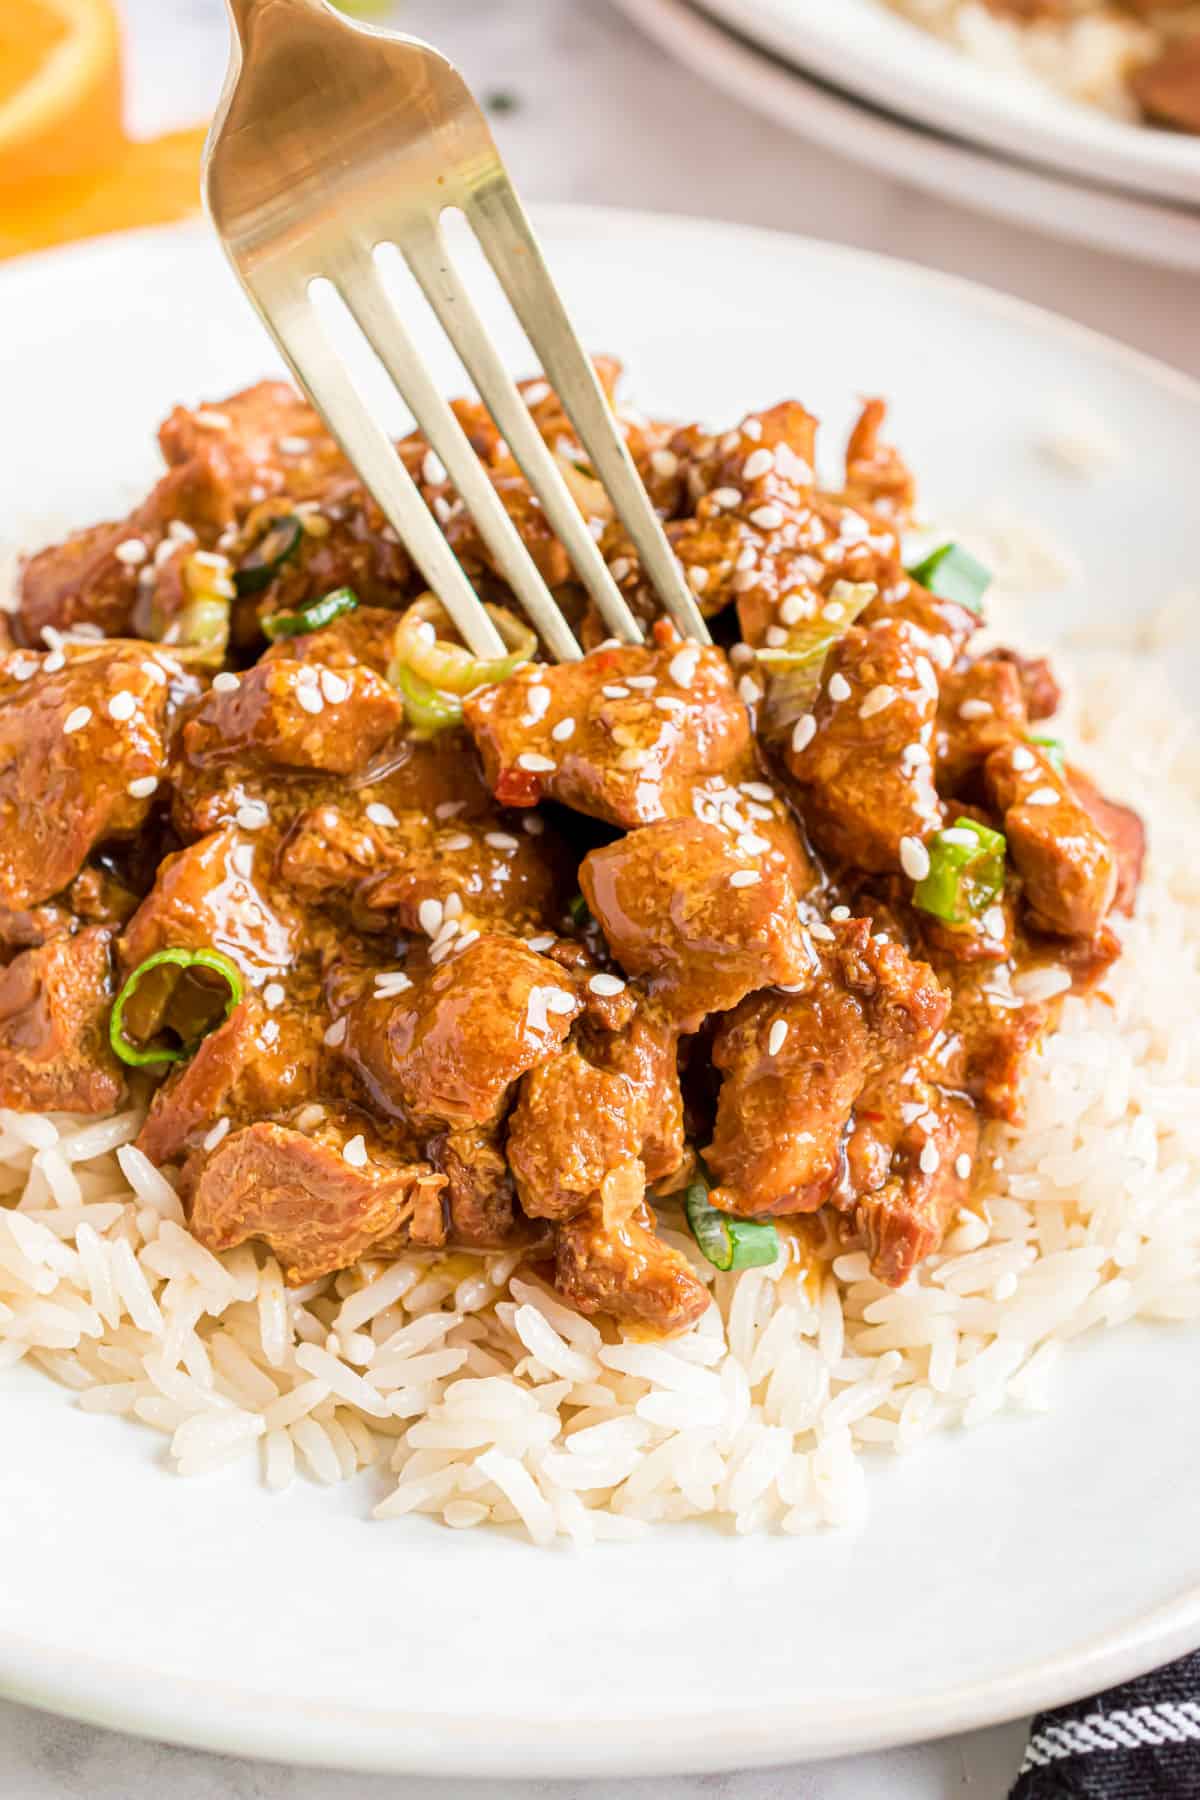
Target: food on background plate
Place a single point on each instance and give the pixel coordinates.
(451, 1032)
(1139, 59)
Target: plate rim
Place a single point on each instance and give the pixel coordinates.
(955, 168)
(207, 1714)
(995, 110)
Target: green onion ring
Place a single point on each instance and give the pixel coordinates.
(729, 1243)
(313, 617)
(952, 573)
(181, 959)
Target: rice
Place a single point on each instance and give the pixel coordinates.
(1086, 56)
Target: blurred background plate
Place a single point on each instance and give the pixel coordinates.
(1080, 211)
(859, 45)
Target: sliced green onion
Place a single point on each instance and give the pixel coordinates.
(313, 617)
(966, 872)
(429, 711)
(1055, 752)
(577, 907)
(794, 669)
(728, 1242)
(278, 543)
(952, 573)
(138, 1055)
(449, 667)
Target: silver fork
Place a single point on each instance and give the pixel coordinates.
(332, 138)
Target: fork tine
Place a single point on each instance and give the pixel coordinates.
(362, 290)
(287, 311)
(498, 220)
(427, 257)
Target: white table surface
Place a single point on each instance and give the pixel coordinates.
(603, 116)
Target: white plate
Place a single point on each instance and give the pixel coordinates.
(1148, 230)
(863, 47)
(1031, 1560)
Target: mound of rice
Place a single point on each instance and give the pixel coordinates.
(1085, 57)
(485, 1398)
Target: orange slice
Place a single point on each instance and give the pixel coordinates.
(66, 168)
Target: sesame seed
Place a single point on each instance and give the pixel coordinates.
(533, 825)
(209, 559)
(615, 690)
(535, 763)
(143, 787)
(273, 995)
(822, 933)
(226, 682)
(252, 815)
(697, 578)
(380, 814)
(334, 687)
(759, 462)
(1043, 796)
(757, 790)
(682, 667)
(545, 941)
(54, 662)
(131, 552)
(355, 1152)
(607, 986)
(157, 673)
(433, 469)
(752, 428)
(310, 699)
(742, 878)
(213, 1137)
(749, 691)
(914, 858)
(77, 719)
(460, 841)
(994, 922)
(926, 677)
(930, 1160)
(452, 906)
(975, 709)
(1023, 760)
(669, 703)
(912, 756)
(429, 917)
(840, 913)
(962, 1166)
(501, 840)
(839, 687)
(803, 732)
(450, 929)
(535, 393)
(726, 496)
(941, 650)
(664, 463)
(793, 608)
(833, 610)
(447, 809)
(759, 812)
(750, 844)
(122, 706)
(291, 446)
(642, 682)
(21, 670)
(767, 517)
(390, 982)
(619, 568)
(877, 701)
(1041, 984)
(777, 1037)
(537, 702)
(336, 1033)
(241, 860)
(777, 637)
(182, 534)
(633, 758)
(558, 1000)
(963, 837)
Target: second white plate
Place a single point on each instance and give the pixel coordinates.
(1101, 217)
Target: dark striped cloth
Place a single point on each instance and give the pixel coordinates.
(1140, 1741)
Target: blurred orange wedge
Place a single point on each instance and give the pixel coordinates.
(66, 168)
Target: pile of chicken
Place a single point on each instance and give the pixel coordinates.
(504, 984)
